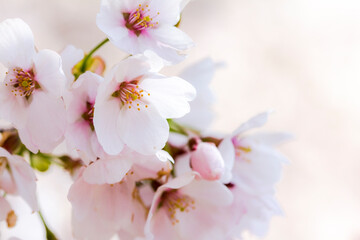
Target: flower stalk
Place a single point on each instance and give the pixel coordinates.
(49, 234)
(87, 56)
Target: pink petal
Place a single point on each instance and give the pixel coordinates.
(46, 115)
(5, 208)
(108, 170)
(24, 178)
(175, 183)
(78, 137)
(209, 192)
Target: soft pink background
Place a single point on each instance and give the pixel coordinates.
(299, 57)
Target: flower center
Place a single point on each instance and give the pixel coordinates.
(140, 19)
(88, 115)
(240, 149)
(22, 82)
(131, 95)
(174, 202)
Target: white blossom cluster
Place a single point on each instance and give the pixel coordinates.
(143, 166)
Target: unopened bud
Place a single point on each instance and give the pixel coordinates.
(94, 64)
(207, 161)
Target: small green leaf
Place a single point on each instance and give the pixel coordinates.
(175, 127)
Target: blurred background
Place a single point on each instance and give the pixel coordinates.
(298, 57)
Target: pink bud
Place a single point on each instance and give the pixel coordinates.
(207, 161)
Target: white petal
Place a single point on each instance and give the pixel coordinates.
(170, 95)
(144, 131)
(182, 164)
(256, 172)
(227, 151)
(105, 122)
(46, 115)
(212, 192)
(7, 182)
(16, 44)
(134, 66)
(70, 57)
(164, 156)
(167, 53)
(25, 137)
(178, 140)
(89, 83)
(156, 62)
(110, 19)
(49, 73)
(183, 4)
(200, 116)
(107, 171)
(173, 37)
(270, 139)
(257, 121)
(169, 11)
(200, 75)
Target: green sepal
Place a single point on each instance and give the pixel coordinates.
(40, 162)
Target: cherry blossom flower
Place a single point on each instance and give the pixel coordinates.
(80, 134)
(134, 102)
(138, 25)
(251, 213)
(101, 210)
(186, 208)
(255, 168)
(17, 178)
(254, 155)
(30, 95)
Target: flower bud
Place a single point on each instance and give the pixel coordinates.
(207, 161)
